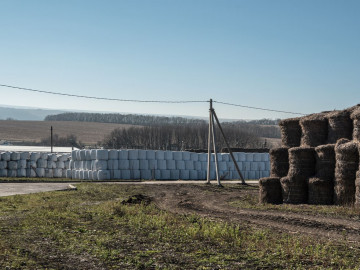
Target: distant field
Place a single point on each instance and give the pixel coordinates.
(86, 132)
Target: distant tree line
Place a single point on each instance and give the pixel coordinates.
(69, 140)
(132, 119)
(176, 137)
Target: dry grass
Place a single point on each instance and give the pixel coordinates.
(34, 131)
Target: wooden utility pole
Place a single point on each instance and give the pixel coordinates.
(51, 138)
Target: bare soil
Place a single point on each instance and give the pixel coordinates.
(214, 202)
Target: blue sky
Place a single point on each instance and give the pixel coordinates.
(300, 56)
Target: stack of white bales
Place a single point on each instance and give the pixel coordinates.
(33, 164)
(101, 164)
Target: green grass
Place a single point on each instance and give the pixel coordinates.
(90, 228)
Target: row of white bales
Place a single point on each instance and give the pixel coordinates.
(100, 164)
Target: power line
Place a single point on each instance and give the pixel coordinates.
(256, 108)
(145, 101)
(103, 98)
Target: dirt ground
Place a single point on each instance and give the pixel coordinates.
(213, 202)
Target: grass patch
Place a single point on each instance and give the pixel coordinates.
(91, 228)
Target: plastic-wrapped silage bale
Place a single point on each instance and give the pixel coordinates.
(113, 164)
(85, 175)
(168, 155)
(257, 157)
(145, 174)
(180, 164)
(3, 173)
(202, 157)
(264, 174)
(5, 156)
(184, 174)
(186, 156)
(225, 157)
(246, 166)
(51, 164)
(143, 164)
(12, 165)
(49, 173)
(165, 174)
(189, 165)
(88, 154)
(15, 156)
(250, 157)
(73, 155)
(21, 164)
(34, 156)
(68, 174)
(159, 155)
(102, 154)
(125, 174)
(113, 154)
(73, 174)
(134, 164)
(135, 174)
(21, 172)
(170, 164)
(150, 155)
(254, 166)
(152, 164)
(60, 165)
(67, 164)
(100, 165)
(230, 165)
(204, 165)
(117, 174)
(124, 164)
(252, 175)
(197, 165)
(123, 154)
(93, 154)
(177, 155)
(133, 154)
(3, 165)
(222, 166)
(261, 166)
(242, 156)
(12, 173)
(141, 154)
(157, 174)
(40, 172)
(161, 164)
(194, 156)
(57, 173)
(174, 174)
(265, 157)
(24, 155)
(193, 175)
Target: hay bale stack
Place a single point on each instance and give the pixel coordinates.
(355, 116)
(279, 161)
(321, 187)
(270, 190)
(340, 126)
(290, 132)
(314, 129)
(347, 163)
(357, 184)
(301, 167)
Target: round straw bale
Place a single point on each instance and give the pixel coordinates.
(314, 129)
(325, 162)
(279, 160)
(290, 132)
(320, 191)
(302, 161)
(294, 189)
(344, 192)
(357, 191)
(270, 190)
(347, 151)
(340, 125)
(355, 116)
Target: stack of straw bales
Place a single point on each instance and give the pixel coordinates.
(301, 167)
(347, 163)
(290, 132)
(357, 184)
(314, 130)
(270, 190)
(321, 187)
(279, 162)
(355, 116)
(339, 126)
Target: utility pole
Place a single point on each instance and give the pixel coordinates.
(51, 138)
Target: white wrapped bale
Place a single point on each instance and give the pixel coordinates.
(251, 175)
(159, 155)
(202, 175)
(24, 155)
(161, 164)
(123, 154)
(94, 175)
(184, 175)
(157, 174)
(44, 156)
(222, 166)
(74, 155)
(145, 174)
(246, 166)
(242, 156)
(193, 175)
(49, 173)
(250, 157)
(30, 173)
(240, 165)
(230, 166)
(125, 174)
(168, 155)
(51, 164)
(165, 174)
(62, 158)
(174, 174)
(124, 164)
(194, 156)
(203, 157)
(73, 174)
(68, 174)
(5, 156)
(71, 164)
(57, 173)
(219, 157)
(102, 154)
(100, 165)
(135, 174)
(150, 155)
(225, 157)
(34, 156)
(40, 172)
(177, 155)
(113, 164)
(133, 154)
(267, 165)
(81, 175)
(87, 154)
(264, 174)
(117, 174)
(257, 156)
(86, 175)
(3, 165)
(225, 175)
(265, 157)
(22, 164)
(254, 166)
(88, 165)
(63, 172)
(141, 154)
(3, 173)
(134, 164)
(153, 164)
(93, 154)
(77, 165)
(257, 175)
(143, 164)
(21, 172)
(186, 156)
(180, 164)
(78, 156)
(14, 156)
(197, 165)
(113, 154)
(189, 165)
(204, 165)
(60, 165)
(12, 165)
(82, 154)
(103, 175)
(170, 164)
(12, 173)
(261, 166)
(67, 164)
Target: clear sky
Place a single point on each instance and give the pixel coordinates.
(301, 56)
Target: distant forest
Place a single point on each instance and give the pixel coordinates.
(176, 133)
